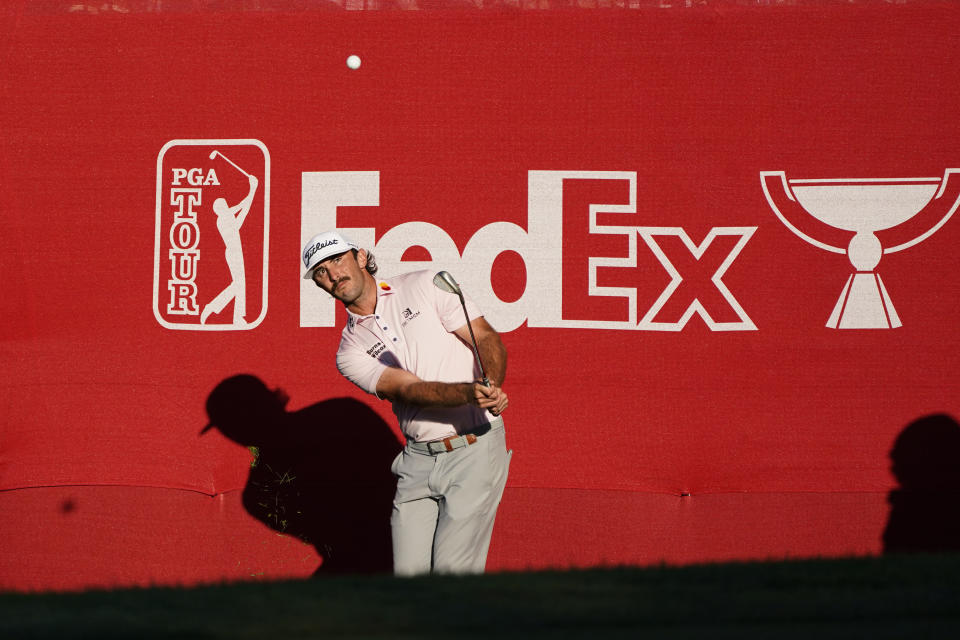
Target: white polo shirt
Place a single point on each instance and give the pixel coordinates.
(412, 329)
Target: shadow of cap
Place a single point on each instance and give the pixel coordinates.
(240, 406)
(926, 454)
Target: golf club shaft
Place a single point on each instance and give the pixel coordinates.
(473, 338)
(232, 163)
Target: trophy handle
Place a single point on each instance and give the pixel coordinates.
(955, 186)
(765, 177)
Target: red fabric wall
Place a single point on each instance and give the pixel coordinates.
(747, 430)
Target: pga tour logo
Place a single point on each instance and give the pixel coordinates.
(212, 226)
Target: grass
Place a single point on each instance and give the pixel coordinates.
(887, 597)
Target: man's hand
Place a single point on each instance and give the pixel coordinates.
(491, 398)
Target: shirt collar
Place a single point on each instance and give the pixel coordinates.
(383, 289)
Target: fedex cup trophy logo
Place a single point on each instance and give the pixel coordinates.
(210, 256)
(863, 207)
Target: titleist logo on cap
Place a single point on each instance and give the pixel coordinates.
(320, 245)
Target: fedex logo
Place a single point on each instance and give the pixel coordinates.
(560, 260)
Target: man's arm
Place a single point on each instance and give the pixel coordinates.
(492, 352)
(398, 385)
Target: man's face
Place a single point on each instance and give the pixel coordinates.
(342, 276)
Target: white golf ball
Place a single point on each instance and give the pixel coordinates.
(353, 62)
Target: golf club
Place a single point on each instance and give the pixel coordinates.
(445, 281)
(216, 153)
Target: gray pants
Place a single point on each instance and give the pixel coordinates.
(445, 505)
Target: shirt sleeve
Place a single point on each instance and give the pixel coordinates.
(359, 368)
(449, 309)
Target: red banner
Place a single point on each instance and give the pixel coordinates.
(718, 243)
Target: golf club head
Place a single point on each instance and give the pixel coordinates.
(443, 280)
(213, 154)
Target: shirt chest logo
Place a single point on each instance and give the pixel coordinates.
(409, 315)
(376, 350)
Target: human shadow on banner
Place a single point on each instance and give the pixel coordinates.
(925, 508)
(321, 474)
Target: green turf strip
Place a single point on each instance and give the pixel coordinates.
(888, 597)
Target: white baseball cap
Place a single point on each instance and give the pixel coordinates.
(322, 246)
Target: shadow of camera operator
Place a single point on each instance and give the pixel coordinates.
(321, 474)
(925, 508)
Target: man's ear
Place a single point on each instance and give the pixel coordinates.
(362, 258)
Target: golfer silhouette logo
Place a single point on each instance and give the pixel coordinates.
(211, 236)
(229, 221)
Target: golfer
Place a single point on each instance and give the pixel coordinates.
(407, 341)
